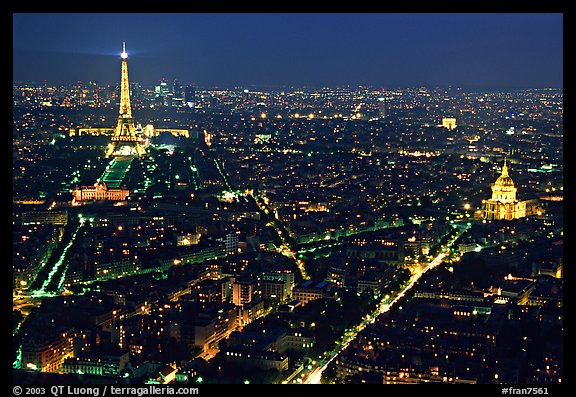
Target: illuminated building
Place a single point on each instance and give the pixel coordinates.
(250, 312)
(467, 247)
(162, 91)
(148, 131)
(274, 290)
(255, 358)
(390, 252)
(209, 291)
(548, 267)
(371, 281)
(207, 138)
(57, 217)
(125, 131)
(92, 364)
(243, 291)
(517, 291)
(99, 192)
(284, 275)
(231, 242)
(546, 292)
(308, 291)
(46, 350)
(449, 122)
(113, 269)
(187, 239)
(337, 274)
(504, 204)
(299, 339)
(190, 96)
(409, 374)
(200, 255)
(277, 284)
(453, 295)
(211, 326)
(382, 107)
(168, 374)
(177, 93)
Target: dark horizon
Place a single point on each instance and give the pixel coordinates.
(471, 51)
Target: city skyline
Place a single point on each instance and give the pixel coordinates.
(473, 50)
(170, 234)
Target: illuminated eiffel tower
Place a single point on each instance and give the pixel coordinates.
(125, 132)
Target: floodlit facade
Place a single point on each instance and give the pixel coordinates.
(504, 204)
(99, 192)
(449, 122)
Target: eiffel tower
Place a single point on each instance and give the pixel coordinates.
(125, 132)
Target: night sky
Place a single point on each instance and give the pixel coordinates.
(470, 50)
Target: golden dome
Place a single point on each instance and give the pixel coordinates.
(504, 180)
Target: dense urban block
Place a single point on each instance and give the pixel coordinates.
(173, 233)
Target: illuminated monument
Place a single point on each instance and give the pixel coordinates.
(100, 191)
(449, 123)
(125, 131)
(503, 204)
(127, 135)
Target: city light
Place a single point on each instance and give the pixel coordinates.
(285, 234)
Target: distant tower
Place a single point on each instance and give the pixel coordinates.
(162, 93)
(125, 131)
(190, 96)
(79, 94)
(382, 107)
(177, 94)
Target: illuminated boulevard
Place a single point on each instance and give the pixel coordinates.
(281, 232)
(313, 374)
(309, 219)
(277, 227)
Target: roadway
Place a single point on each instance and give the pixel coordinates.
(58, 272)
(313, 376)
(25, 303)
(282, 232)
